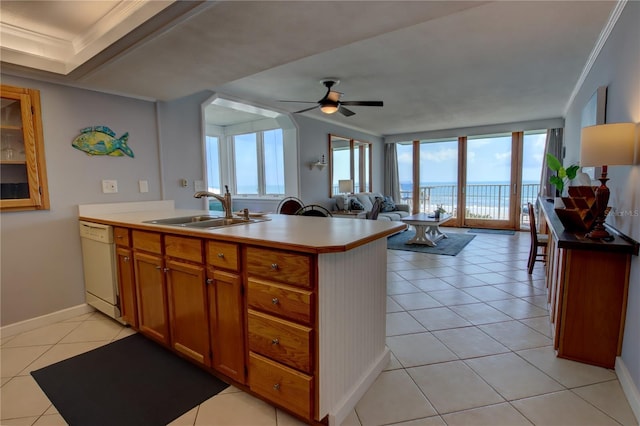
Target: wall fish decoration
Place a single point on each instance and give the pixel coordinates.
(101, 140)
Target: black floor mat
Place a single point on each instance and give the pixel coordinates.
(132, 381)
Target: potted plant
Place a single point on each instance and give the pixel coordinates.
(438, 211)
(562, 175)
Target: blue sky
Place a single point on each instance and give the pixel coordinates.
(488, 160)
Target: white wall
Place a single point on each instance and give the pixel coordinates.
(618, 67)
(40, 256)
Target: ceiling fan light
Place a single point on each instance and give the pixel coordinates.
(329, 108)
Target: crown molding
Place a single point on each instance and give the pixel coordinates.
(34, 49)
(602, 39)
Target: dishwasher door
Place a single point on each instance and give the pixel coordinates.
(99, 263)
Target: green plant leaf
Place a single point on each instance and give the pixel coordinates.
(572, 171)
(557, 182)
(553, 163)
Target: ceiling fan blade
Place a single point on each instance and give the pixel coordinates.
(300, 102)
(306, 109)
(363, 103)
(346, 112)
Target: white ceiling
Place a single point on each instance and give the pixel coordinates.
(435, 64)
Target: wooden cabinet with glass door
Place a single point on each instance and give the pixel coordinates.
(23, 176)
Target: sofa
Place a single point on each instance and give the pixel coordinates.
(390, 210)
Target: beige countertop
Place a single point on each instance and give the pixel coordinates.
(301, 233)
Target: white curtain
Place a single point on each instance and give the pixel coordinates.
(552, 146)
(391, 179)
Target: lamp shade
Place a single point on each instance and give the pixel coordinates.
(607, 144)
(345, 186)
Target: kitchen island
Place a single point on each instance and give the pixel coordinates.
(291, 309)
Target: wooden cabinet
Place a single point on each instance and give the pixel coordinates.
(587, 285)
(251, 310)
(281, 328)
(126, 277)
(151, 291)
(23, 174)
(187, 297)
(226, 309)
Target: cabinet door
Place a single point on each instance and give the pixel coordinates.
(126, 285)
(22, 166)
(188, 310)
(226, 323)
(152, 297)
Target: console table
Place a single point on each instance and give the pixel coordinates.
(587, 283)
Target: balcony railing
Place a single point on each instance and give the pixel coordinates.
(483, 201)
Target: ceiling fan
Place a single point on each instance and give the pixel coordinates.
(331, 102)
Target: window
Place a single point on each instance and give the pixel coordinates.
(258, 160)
(250, 149)
(213, 164)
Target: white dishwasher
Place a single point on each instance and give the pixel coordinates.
(99, 262)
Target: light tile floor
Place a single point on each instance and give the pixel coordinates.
(470, 343)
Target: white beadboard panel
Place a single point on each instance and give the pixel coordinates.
(352, 319)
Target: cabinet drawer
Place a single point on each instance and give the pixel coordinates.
(282, 340)
(223, 255)
(147, 241)
(183, 248)
(282, 385)
(121, 236)
(294, 269)
(285, 301)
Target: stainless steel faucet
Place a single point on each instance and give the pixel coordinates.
(226, 200)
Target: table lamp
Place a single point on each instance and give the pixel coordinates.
(606, 145)
(345, 186)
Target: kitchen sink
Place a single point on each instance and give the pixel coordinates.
(215, 223)
(182, 220)
(204, 221)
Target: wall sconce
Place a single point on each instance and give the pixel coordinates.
(320, 164)
(606, 145)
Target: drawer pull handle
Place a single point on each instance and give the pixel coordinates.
(126, 258)
(276, 386)
(275, 341)
(165, 269)
(158, 267)
(275, 301)
(274, 266)
(119, 236)
(209, 280)
(220, 255)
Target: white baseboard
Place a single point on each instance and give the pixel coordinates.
(344, 407)
(33, 323)
(628, 387)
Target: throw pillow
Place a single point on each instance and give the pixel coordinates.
(388, 205)
(354, 204)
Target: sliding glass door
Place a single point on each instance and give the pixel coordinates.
(489, 181)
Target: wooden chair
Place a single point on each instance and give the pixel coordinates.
(289, 205)
(314, 210)
(537, 240)
(375, 210)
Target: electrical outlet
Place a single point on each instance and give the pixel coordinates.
(198, 185)
(109, 186)
(144, 185)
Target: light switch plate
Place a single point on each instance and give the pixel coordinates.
(109, 186)
(144, 185)
(198, 185)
